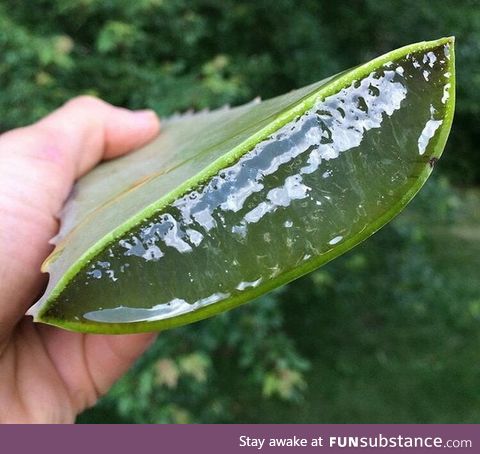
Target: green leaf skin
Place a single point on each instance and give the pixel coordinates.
(227, 205)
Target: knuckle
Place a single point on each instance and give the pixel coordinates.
(85, 101)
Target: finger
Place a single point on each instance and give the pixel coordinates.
(90, 364)
(119, 352)
(38, 165)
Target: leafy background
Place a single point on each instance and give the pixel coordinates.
(387, 333)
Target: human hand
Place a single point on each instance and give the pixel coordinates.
(48, 375)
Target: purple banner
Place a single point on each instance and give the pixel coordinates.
(246, 439)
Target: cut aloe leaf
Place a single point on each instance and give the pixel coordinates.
(227, 205)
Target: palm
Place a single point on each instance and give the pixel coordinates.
(46, 374)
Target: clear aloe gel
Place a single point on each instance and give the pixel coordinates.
(307, 192)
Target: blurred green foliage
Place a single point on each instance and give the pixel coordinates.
(177, 54)
(387, 333)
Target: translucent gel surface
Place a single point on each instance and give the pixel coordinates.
(312, 185)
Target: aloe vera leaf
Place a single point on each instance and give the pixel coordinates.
(227, 205)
